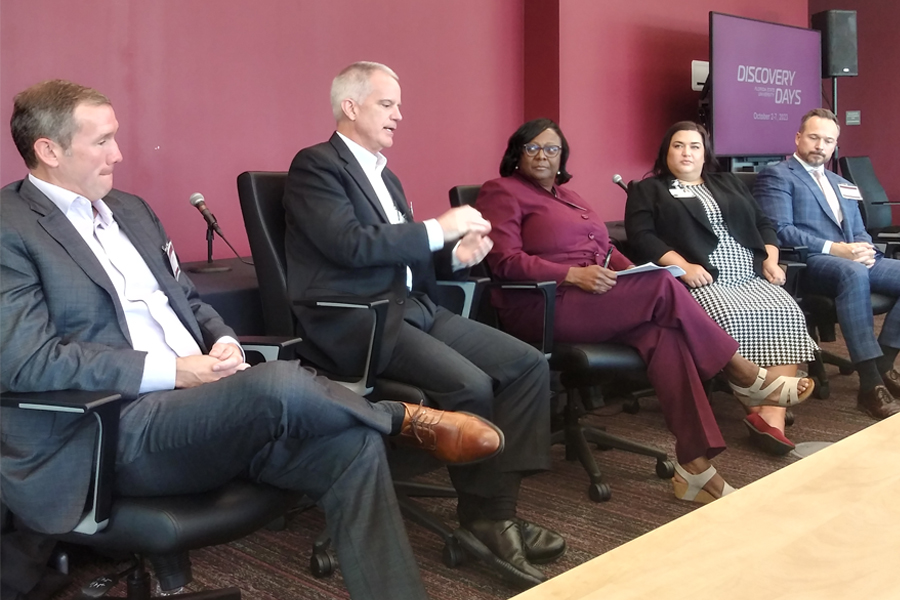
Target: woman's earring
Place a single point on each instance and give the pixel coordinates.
(517, 167)
(558, 172)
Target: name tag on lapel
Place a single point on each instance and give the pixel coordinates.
(850, 192)
(680, 192)
(173, 260)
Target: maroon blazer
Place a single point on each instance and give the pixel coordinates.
(538, 236)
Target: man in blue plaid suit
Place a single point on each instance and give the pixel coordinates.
(816, 208)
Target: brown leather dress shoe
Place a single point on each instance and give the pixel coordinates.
(452, 437)
(892, 382)
(877, 403)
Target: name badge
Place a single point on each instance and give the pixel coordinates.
(173, 260)
(680, 192)
(850, 192)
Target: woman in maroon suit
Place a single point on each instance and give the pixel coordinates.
(542, 231)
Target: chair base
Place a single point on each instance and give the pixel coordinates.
(138, 581)
(577, 437)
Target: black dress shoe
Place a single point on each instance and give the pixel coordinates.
(541, 545)
(892, 383)
(877, 403)
(499, 544)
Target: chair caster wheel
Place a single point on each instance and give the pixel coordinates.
(846, 370)
(632, 407)
(322, 563)
(453, 555)
(665, 469)
(822, 391)
(789, 416)
(599, 492)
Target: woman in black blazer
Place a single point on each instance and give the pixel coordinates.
(708, 224)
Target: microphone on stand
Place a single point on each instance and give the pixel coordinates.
(212, 226)
(617, 179)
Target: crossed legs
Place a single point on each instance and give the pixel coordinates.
(275, 423)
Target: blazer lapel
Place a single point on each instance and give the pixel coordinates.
(694, 208)
(355, 170)
(799, 172)
(154, 255)
(397, 196)
(61, 229)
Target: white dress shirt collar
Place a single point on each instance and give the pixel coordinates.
(370, 163)
(809, 168)
(64, 199)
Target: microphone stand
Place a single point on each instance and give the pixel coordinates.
(210, 266)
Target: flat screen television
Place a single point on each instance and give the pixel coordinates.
(763, 77)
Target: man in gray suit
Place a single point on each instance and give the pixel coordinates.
(816, 208)
(93, 298)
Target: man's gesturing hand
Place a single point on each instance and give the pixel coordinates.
(461, 220)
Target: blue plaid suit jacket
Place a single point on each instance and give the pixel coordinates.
(792, 199)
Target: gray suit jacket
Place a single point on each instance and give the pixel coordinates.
(62, 327)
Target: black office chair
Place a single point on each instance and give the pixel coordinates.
(261, 194)
(875, 207)
(159, 529)
(581, 368)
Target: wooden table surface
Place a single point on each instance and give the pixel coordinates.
(825, 527)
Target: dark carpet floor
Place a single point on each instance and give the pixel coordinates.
(273, 565)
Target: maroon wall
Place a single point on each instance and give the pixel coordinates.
(875, 92)
(625, 77)
(205, 89)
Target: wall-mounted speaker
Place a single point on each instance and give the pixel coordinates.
(839, 54)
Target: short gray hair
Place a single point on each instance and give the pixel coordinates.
(353, 83)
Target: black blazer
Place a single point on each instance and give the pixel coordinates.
(656, 222)
(339, 243)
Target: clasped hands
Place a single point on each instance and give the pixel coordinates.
(861, 252)
(223, 360)
(464, 223)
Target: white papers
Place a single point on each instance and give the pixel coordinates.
(646, 267)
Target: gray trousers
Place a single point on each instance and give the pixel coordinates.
(279, 424)
(463, 365)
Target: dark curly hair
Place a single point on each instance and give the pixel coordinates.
(710, 164)
(525, 134)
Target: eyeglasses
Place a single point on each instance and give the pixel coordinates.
(550, 150)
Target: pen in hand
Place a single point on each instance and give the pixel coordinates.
(608, 256)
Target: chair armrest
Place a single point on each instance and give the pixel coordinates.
(792, 272)
(471, 289)
(548, 293)
(270, 347)
(366, 383)
(793, 253)
(104, 406)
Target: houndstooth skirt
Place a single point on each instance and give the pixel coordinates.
(762, 317)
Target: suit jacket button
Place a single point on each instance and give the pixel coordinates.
(591, 236)
(400, 300)
(584, 217)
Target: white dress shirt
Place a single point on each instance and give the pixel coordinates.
(818, 176)
(373, 165)
(152, 323)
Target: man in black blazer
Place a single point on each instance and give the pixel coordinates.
(350, 233)
(93, 298)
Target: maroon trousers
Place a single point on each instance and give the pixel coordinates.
(682, 346)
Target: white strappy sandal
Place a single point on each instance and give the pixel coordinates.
(757, 395)
(691, 489)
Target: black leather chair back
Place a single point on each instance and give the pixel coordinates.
(876, 213)
(261, 194)
(747, 178)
